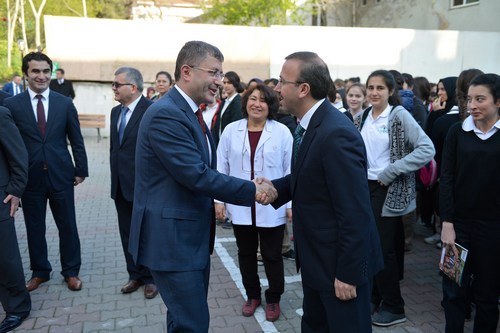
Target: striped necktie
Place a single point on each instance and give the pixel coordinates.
(297, 139)
(123, 123)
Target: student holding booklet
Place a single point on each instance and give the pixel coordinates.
(470, 206)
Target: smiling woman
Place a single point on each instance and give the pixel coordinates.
(257, 146)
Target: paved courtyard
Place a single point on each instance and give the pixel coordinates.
(100, 307)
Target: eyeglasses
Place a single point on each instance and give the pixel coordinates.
(118, 85)
(283, 82)
(212, 72)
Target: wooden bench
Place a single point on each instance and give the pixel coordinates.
(93, 121)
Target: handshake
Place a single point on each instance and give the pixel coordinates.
(265, 192)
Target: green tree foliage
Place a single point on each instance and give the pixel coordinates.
(113, 9)
(249, 12)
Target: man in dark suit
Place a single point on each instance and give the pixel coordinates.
(15, 86)
(47, 119)
(125, 120)
(3, 95)
(14, 297)
(61, 85)
(173, 220)
(336, 239)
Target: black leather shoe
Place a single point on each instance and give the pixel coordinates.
(11, 322)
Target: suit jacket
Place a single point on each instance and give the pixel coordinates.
(66, 88)
(3, 95)
(175, 183)
(13, 162)
(52, 151)
(122, 156)
(334, 228)
(9, 88)
(232, 113)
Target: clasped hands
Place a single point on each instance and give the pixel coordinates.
(265, 192)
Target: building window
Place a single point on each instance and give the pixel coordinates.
(364, 2)
(457, 3)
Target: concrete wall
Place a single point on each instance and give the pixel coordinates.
(417, 14)
(91, 49)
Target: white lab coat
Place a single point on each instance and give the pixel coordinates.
(272, 160)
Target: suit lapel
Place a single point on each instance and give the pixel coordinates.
(198, 132)
(307, 140)
(135, 117)
(51, 113)
(28, 108)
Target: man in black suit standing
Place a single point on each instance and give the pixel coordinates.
(61, 85)
(14, 297)
(46, 120)
(336, 239)
(125, 119)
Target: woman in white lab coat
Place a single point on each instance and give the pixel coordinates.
(257, 146)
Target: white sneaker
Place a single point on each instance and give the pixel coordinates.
(433, 239)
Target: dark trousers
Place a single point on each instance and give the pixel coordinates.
(185, 295)
(62, 205)
(124, 211)
(482, 239)
(386, 290)
(325, 313)
(271, 239)
(14, 297)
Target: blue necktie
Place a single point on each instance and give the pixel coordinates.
(123, 123)
(297, 139)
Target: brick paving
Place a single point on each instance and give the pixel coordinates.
(100, 307)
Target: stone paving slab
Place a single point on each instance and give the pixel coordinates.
(100, 307)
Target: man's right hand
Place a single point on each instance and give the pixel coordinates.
(265, 192)
(220, 211)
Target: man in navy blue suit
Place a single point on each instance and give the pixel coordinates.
(125, 119)
(47, 119)
(336, 240)
(173, 219)
(15, 86)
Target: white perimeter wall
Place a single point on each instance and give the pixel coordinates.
(91, 49)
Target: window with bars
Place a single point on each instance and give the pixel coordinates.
(458, 3)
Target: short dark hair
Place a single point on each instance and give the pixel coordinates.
(390, 82)
(408, 79)
(490, 81)
(463, 82)
(235, 80)
(60, 70)
(133, 76)
(270, 97)
(193, 53)
(313, 71)
(167, 74)
(36, 56)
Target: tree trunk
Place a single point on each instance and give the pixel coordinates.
(38, 15)
(11, 29)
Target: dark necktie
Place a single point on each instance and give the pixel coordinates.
(40, 114)
(297, 139)
(123, 123)
(201, 121)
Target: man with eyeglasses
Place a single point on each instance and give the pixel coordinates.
(46, 120)
(173, 219)
(125, 119)
(336, 240)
